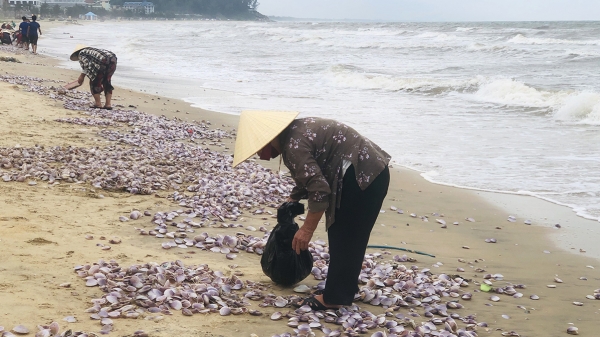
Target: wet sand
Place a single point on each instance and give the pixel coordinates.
(43, 229)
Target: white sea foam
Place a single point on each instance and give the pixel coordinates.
(511, 92)
(521, 39)
(357, 78)
(583, 107)
(438, 36)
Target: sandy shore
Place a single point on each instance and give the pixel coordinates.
(43, 229)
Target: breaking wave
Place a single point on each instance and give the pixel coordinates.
(521, 39)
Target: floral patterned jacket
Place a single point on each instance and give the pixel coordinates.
(314, 150)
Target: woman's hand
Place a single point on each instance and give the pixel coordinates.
(301, 240)
(305, 233)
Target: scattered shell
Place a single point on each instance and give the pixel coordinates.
(20, 329)
(135, 215)
(579, 304)
(70, 319)
(302, 288)
(573, 330)
(534, 297)
(280, 302)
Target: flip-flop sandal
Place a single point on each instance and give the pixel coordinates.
(107, 108)
(95, 107)
(312, 302)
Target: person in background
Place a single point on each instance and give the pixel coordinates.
(23, 28)
(6, 35)
(32, 33)
(98, 65)
(343, 175)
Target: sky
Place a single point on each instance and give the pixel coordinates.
(435, 10)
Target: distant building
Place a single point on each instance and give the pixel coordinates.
(105, 4)
(90, 16)
(25, 2)
(64, 3)
(140, 6)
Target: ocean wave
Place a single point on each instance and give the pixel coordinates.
(354, 77)
(581, 55)
(511, 92)
(580, 108)
(485, 47)
(567, 106)
(437, 36)
(372, 32)
(521, 39)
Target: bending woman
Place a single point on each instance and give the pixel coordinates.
(342, 175)
(98, 65)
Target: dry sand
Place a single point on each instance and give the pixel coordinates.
(43, 229)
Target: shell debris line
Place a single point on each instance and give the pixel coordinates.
(406, 294)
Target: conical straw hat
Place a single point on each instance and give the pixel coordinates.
(78, 48)
(258, 128)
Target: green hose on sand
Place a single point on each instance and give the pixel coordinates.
(402, 249)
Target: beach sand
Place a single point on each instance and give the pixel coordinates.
(43, 229)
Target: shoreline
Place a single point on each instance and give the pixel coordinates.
(518, 254)
(174, 87)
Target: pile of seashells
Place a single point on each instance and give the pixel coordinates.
(53, 330)
(405, 293)
(145, 154)
(154, 290)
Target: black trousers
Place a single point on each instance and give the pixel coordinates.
(349, 235)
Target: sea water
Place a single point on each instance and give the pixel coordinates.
(512, 107)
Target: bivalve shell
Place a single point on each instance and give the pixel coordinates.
(573, 330)
(20, 329)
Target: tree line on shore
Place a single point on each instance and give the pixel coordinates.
(163, 8)
(202, 7)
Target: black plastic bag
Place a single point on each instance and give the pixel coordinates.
(279, 261)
